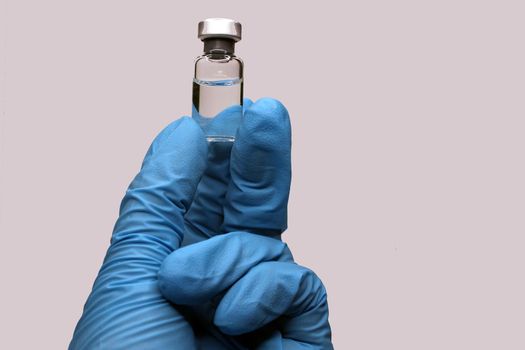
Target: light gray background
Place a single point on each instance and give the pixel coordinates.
(408, 193)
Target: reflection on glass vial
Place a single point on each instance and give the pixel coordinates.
(218, 81)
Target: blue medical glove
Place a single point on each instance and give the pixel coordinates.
(228, 290)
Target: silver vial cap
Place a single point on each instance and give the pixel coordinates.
(219, 28)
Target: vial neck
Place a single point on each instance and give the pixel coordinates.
(219, 45)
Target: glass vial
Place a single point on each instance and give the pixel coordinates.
(218, 80)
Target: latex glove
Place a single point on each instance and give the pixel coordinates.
(236, 282)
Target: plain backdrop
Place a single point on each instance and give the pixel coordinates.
(408, 194)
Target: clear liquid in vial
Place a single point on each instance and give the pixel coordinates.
(217, 107)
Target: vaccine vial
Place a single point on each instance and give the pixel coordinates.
(218, 80)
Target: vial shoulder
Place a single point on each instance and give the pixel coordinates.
(209, 66)
(218, 59)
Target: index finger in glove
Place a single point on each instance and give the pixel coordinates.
(260, 170)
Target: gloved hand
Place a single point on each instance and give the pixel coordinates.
(196, 260)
